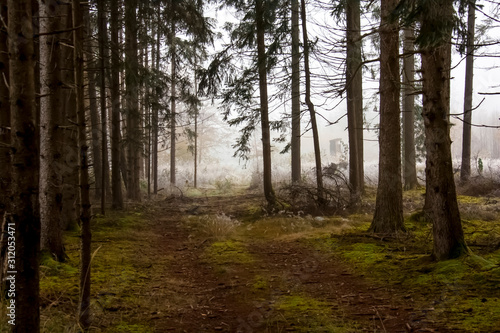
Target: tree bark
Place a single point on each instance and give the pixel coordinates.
(264, 106)
(388, 217)
(296, 135)
(94, 117)
(173, 97)
(310, 106)
(156, 94)
(410, 169)
(4, 113)
(70, 210)
(354, 82)
(117, 200)
(5, 168)
(52, 130)
(441, 200)
(103, 41)
(469, 75)
(85, 213)
(25, 163)
(131, 78)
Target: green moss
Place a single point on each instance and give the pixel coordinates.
(306, 314)
(228, 252)
(465, 199)
(365, 254)
(260, 283)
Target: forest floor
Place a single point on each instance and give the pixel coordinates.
(219, 263)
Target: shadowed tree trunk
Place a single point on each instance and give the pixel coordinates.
(441, 206)
(388, 217)
(469, 75)
(24, 208)
(409, 163)
(131, 78)
(295, 142)
(103, 54)
(117, 201)
(264, 106)
(173, 97)
(354, 82)
(156, 94)
(86, 236)
(94, 117)
(5, 174)
(70, 189)
(52, 129)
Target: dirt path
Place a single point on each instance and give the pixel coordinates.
(285, 286)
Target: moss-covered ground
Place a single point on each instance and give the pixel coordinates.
(217, 261)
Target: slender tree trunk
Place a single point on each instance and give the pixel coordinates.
(70, 210)
(410, 169)
(133, 130)
(94, 117)
(441, 200)
(85, 214)
(173, 98)
(264, 106)
(24, 207)
(147, 94)
(469, 74)
(310, 105)
(354, 82)
(296, 135)
(103, 41)
(117, 201)
(388, 217)
(51, 131)
(196, 113)
(155, 113)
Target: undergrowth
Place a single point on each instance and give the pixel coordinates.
(462, 293)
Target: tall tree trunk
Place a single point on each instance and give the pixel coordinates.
(147, 94)
(264, 106)
(103, 41)
(441, 200)
(51, 130)
(469, 74)
(156, 94)
(24, 206)
(85, 214)
(409, 163)
(310, 106)
(70, 210)
(131, 78)
(354, 82)
(173, 98)
(196, 113)
(117, 200)
(388, 217)
(5, 168)
(94, 117)
(4, 113)
(295, 142)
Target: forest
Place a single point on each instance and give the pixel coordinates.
(249, 166)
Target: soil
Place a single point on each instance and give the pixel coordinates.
(188, 293)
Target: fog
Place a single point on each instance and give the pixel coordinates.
(216, 138)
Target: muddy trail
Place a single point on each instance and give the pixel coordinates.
(260, 285)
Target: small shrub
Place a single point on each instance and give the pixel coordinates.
(218, 227)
